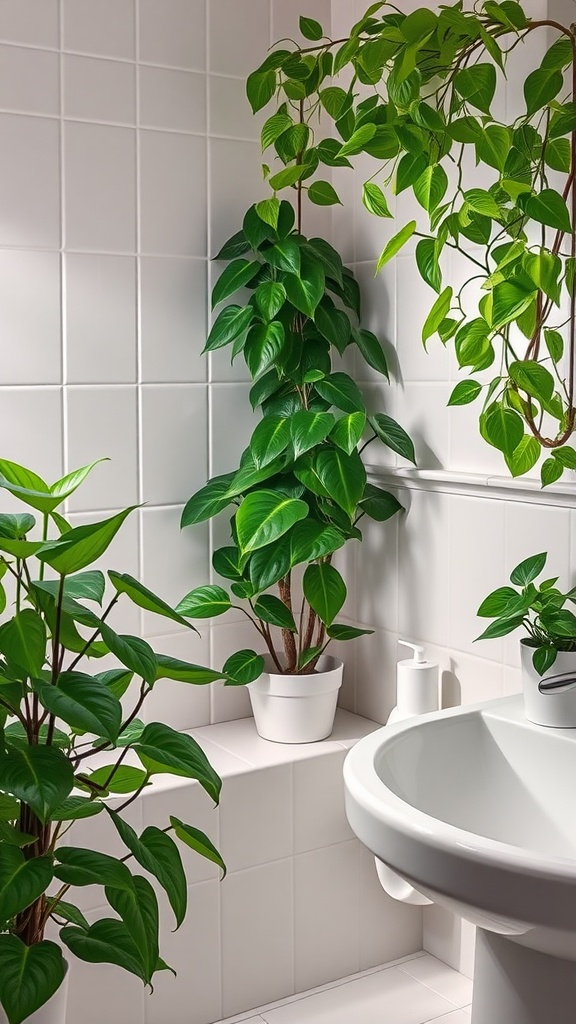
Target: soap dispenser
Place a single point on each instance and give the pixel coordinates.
(416, 685)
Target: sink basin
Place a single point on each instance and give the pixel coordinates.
(475, 807)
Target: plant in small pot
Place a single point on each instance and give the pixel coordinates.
(55, 714)
(301, 490)
(549, 649)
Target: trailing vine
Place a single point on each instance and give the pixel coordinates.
(419, 97)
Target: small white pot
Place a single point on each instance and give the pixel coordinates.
(296, 709)
(53, 1012)
(557, 710)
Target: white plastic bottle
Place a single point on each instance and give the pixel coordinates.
(417, 693)
(416, 685)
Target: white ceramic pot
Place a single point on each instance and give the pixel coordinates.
(53, 1012)
(296, 709)
(557, 709)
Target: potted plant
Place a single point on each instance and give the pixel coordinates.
(300, 491)
(550, 645)
(55, 713)
(418, 95)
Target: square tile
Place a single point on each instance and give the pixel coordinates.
(441, 979)
(29, 80)
(257, 936)
(194, 953)
(239, 36)
(173, 32)
(256, 817)
(230, 404)
(100, 299)
(478, 569)
(100, 192)
(99, 90)
(31, 22)
(318, 783)
(173, 319)
(377, 571)
(227, 205)
(172, 177)
(174, 561)
(30, 317)
(229, 111)
(285, 17)
(449, 938)
(376, 659)
(388, 929)
(422, 410)
(423, 541)
(386, 995)
(114, 484)
(180, 705)
(31, 426)
(122, 556)
(415, 299)
(326, 915)
(106, 28)
(174, 420)
(230, 702)
(172, 99)
(29, 182)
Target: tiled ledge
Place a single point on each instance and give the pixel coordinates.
(478, 485)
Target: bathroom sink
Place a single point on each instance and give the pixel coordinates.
(475, 807)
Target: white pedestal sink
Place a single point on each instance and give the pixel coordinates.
(476, 808)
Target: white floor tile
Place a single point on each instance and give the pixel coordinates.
(390, 995)
(456, 1017)
(441, 979)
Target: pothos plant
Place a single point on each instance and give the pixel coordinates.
(419, 96)
(300, 491)
(55, 714)
(540, 611)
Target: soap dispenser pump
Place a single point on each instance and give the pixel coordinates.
(416, 685)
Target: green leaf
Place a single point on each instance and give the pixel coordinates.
(430, 187)
(324, 590)
(237, 245)
(82, 545)
(533, 378)
(502, 627)
(271, 609)
(500, 602)
(286, 177)
(358, 140)
(271, 130)
(341, 631)
(393, 435)
(310, 540)
(374, 200)
(144, 598)
(139, 912)
(89, 867)
(321, 250)
(235, 276)
(541, 87)
(482, 202)
(554, 344)
(263, 346)
(29, 977)
(285, 255)
(322, 193)
(205, 602)
(88, 585)
(270, 297)
(510, 300)
(548, 208)
(226, 562)
(163, 750)
(260, 88)
(123, 780)
(306, 291)
(560, 623)
(75, 808)
(23, 641)
(493, 146)
(566, 456)
(230, 324)
(342, 392)
(269, 210)
(107, 941)
(264, 516)
(310, 29)
(68, 912)
(544, 268)
(271, 438)
(543, 658)
(208, 501)
(348, 430)
(524, 457)
(308, 429)
(40, 776)
(427, 262)
(439, 311)
(131, 651)
(395, 244)
(157, 853)
(83, 703)
(333, 324)
(342, 476)
(371, 349)
(184, 672)
(16, 526)
(550, 471)
(9, 808)
(477, 85)
(197, 841)
(558, 56)
(465, 392)
(378, 504)
(528, 570)
(22, 881)
(243, 667)
(504, 429)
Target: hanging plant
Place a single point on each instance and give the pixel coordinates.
(419, 97)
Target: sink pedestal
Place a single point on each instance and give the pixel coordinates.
(517, 985)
